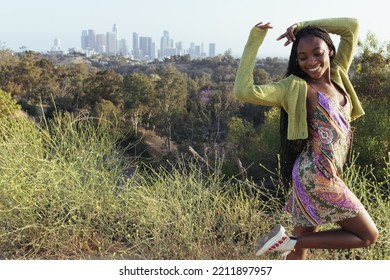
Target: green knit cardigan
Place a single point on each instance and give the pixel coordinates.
(290, 92)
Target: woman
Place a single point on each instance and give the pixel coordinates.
(317, 101)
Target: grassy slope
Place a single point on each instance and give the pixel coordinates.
(64, 195)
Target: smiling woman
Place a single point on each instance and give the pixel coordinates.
(317, 103)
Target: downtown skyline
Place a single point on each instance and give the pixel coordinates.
(35, 24)
(138, 47)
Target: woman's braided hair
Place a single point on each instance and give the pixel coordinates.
(290, 149)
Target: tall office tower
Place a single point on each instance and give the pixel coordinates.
(136, 53)
(153, 51)
(194, 50)
(212, 49)
(171, 43)
(57, 45)
(164, 43)
(91, 39)
(111, 43)
(145, 45)
(101, 43)
(197, 51)
(115, 30)
(122, 47)
(88, 39)
(179, 47)
(84, 39)
(135, 41)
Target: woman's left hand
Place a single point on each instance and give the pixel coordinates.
(262, 25)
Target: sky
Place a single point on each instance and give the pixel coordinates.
(35, 24)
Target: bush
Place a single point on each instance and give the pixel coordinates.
(8, 105)
(68, 192)
(372, 136)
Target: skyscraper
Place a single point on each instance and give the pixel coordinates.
(84, 39)
(212, 49)
(111, 43)
(101, 43)
(136, 52)
(146, 47)
(164, 44)
(91, 39)
(57, 46)
(122, 48)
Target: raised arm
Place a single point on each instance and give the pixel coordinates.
(347, 29)
(244, 87)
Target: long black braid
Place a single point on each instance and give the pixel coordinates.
(290, 149)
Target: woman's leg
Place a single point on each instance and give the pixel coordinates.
(356, 232)
(300, 253)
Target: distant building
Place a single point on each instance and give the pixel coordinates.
(164, 44)
(91, 39)
(180, 48)
(88, 39)
(57, 46)
(122, 48)
(211, 49)
(147, 48)
(143, 48)
(111, 43)
(84, 39)
(136, 50)
(56, 49)
(101, 43)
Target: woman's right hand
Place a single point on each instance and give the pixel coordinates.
(289, 34)
(262, 25)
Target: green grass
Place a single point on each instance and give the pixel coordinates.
(66, 193)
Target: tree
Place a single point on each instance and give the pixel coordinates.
(171, 95)
(105, 84)
(371, 68)
(138, 95)
(70, 91)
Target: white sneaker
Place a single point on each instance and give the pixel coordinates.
(276, 241)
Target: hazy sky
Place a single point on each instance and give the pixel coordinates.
(35, 23)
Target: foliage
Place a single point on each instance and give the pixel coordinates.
(371, 69)
(190, 102)
(372, 135)
(68, 192)
(371, 77)
(171, 98)
(8, 105)
(58, 187)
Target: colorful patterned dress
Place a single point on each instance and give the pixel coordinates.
(319, 194)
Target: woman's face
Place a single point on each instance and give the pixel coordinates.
(313, 56)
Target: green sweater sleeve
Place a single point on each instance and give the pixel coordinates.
(347, 29)
(244, 87)
(289, 93)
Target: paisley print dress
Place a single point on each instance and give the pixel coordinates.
(319, 194)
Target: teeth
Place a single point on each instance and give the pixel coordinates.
(313, 69)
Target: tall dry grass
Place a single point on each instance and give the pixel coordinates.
(68, 192)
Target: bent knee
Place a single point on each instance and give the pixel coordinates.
(371, 238)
